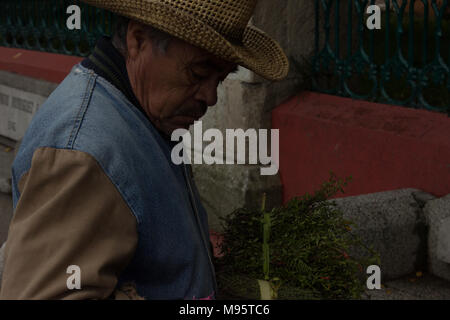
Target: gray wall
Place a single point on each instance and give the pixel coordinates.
(246, 101)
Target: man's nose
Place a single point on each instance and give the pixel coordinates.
(207, 93)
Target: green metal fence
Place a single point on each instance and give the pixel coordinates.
(406, 62)
(41, 25)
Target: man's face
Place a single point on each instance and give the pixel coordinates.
(175, 88)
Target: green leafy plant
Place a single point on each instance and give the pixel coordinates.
(302, 249)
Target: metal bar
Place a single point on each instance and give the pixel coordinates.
(423, 60)
(438, 30)
(349, 28)
(336, 28)
(411, 33)
(371, 39)
(387, 27)
(425, 33)
(317, 30)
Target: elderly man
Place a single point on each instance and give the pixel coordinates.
(93, 183)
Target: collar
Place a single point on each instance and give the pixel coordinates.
(109, 63)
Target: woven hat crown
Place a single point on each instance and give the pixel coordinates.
(220, 27)
(229, 18)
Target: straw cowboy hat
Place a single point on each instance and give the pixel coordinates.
(221, 27)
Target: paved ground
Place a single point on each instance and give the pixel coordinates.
(5, 216)
(426, 287)
(6, 158)
(422, 287)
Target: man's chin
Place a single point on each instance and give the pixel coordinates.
(169, 128)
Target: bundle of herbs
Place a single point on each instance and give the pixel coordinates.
(298, 251)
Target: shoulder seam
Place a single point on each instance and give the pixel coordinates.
(82, 110)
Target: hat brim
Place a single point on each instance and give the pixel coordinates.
(257, 51)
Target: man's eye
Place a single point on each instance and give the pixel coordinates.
(198, 76)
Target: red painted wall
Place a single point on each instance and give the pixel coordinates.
(39, 65)
(382, 147)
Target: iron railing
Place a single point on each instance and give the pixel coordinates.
(41, 25)
(406, 62)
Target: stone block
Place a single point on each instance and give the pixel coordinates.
(241, 105)
(422, 198)
(6, 211)
(437, 213)
(225, 188)
(426, 287)
(443, 246)
(5, 186)
(245, 101)
(6, 159)
(2, 262)
(393, 224)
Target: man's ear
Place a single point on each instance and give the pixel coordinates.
(137, 41)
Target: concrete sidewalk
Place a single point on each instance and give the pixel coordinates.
(393, 216)
(5, 216)
(6, 159)
(426, 287)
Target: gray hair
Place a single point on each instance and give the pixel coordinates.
(119, 40)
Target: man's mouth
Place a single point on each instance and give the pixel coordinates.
(189, 117)
(185, 121)
(186, 116)
(192, 112)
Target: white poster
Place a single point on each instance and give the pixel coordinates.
(17, 107)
